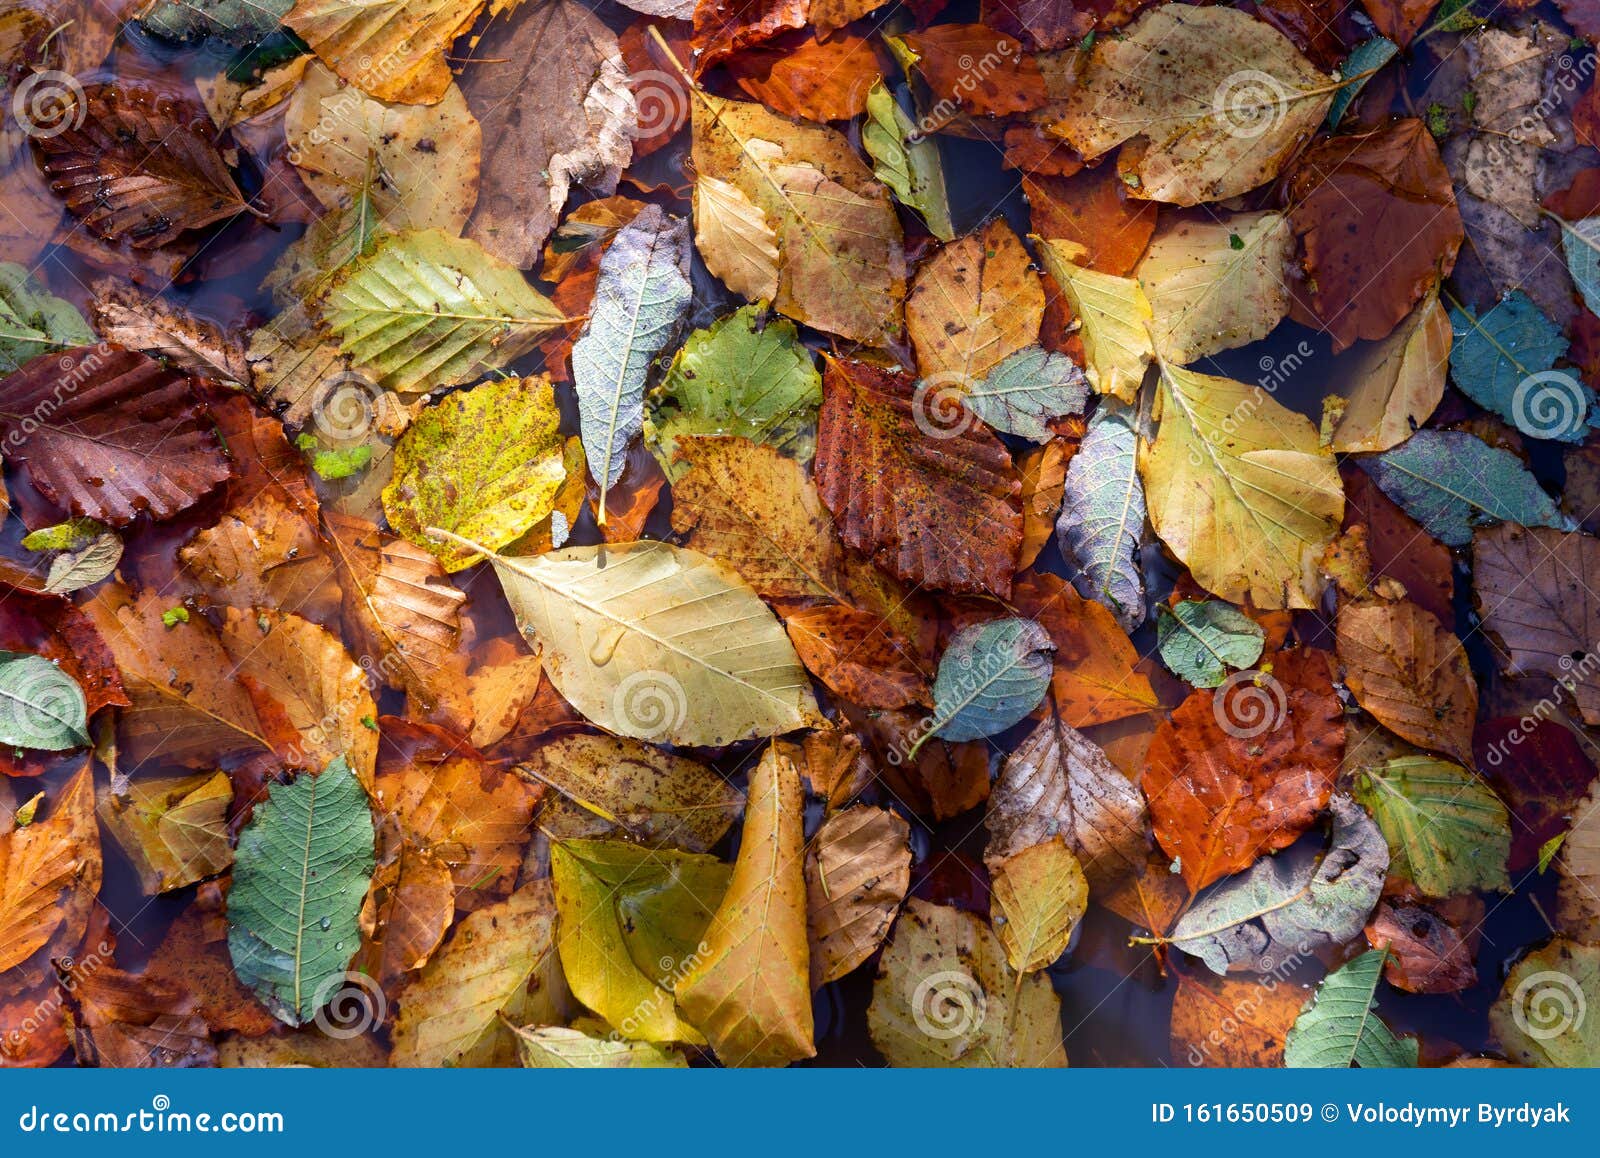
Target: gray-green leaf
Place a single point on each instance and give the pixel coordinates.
(992, 675)
(1448, 832)
(238, 22)
(906, 161)
(1292, 904)
(1102, 514)
(1026, 389)
(41, 706)
(1504, 362)
(84, 566)
(640, 298)
(1339, 1028)
(746, 376)
(1364, 61)
(33, 321)
(302, 868)
(1201, 639)
(1580, 240)
(1450, 482)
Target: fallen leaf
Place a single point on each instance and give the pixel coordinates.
(1338, 1028)
(128, 1022)
(1102, 515)
(1395, 384)
(906, 160)
(1038, 895)
(990, 677)
(1201, 639)
(409, 37)
(174, 830)
(265, 554)
(1044, 479)
(972, 305)
(554, 1047)
(50, 873)
(858, 871)
(812, 79)
(976, 69)
(1412, 674)
(1579, 867)
(1428, 953)
(1536, 1018)
(1233, 1022)
(1114, 316)
(857, 657)
(1447, 831)
(1095, 680)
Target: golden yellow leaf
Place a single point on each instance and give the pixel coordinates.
(1037, 898)
(174, 830)
(1115, 318)
(50, 875)
(391, 49)
(1395, 384)
(972, 304)
(735, 239)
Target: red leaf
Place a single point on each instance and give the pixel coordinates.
(1541, 771)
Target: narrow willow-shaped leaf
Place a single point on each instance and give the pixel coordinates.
(1340, 1029)
(639, 300)
(1102, 515)
(302, 868)
(41, 706)
(992, 675)
(1026, 390)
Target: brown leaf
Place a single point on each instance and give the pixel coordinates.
(1226, 1021)
(1095, 679)
(725, 27)
(128, 1022)
(184, 340)
(930, 508)
(1399, 20)
(265, 554)
(1411, 674)
(109, 434)
(1541, 770)
(499, 693)
(1398, 548)
(974, 303)
(857, 656)
(406, 914)
(1059, 783)
(811, 79)
(140, 167)
(1044, 478)
(858, 870)
(1243, 771)
(945, 780)
(1430, 950)
(978, 70)
(50, 876)
(193, 959)
(833, 764)
(1378, 219)
(659, 90)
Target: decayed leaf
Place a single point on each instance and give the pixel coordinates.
(1115, 318)
(945, 996)
(551, 91)
(422, 310)
(1102, 515)
(265, 554)
(1291, 904)
(1428, 952)
(931, 507)
(973, 304)
(50, 875)
(304, 863)
(1380, 227)
(195, 345)
(650, 796)
(139, 167)
(1541, 1017)
(173, 830)
(128, 1022)
(858, 870)
(1537, 592)
(640, 298)
(1411, 674)
(1232, 1022)
(402, 611)
(418, 164)
(129, 437)
(239, 22)
(484, 463)
(1039, 896)
(637, 637)
(812, 79)
(633, 923)
(857, 656)
(841, 267)
(1220, 99)
(748, 991)
(409, 37)
(1241, 490)
(1448, 833)
(1025, 390)
(1244, 770)
(1395, 384)
(450, 1012)
(1339, 1029)
(554, 1047)
(1579, 866)
(747, 376)
(41, 706)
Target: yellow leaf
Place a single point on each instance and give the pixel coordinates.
(1240, 490)
(1395, 384)
(391, 49)
(735, 239)
(174, 830)
(1114, 315)
(1037, 898)
(749, 992)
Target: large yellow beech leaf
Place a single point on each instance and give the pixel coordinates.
(657, 642)
(749, 992)
(1114, 316)
(1212, 101)
(841, 261)
(391, 49)
(1240, 489)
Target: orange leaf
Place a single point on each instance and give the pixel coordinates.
(978, 70)
(812, 80)
(1094, 681)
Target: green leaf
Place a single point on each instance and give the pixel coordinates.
(992, 675)
(1503, 361)
(1288, 905)
(1102, 514)
(640, 298)
(238, 22)
(1450, 481)
(1448, 832)
(333, 465)
(67, 536)
(1027, 389)
(906, 161)
(746, 376)
(1364, 59)
(555, 1047)
(41, 706)
(33, 321)
(301, 870)
(423, 310)
(631, 920)
(1200, 639)
(1339, 1028)
(485, 463)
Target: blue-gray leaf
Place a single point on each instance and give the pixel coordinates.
(1504, 362)
(1450, 482)
(1364, 60)
(1581, 242)
(992, 675)
(1201, 639)
(1027, 389)
(41, 706)
(1102, 514)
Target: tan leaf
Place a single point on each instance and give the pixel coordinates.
(128, 1022)
(1395, 384)
(1044, 479)
(858, 870)
(122, 314)
(1412, 674)
(1114, 316)
(749, 992)
(174, 830)
(972, 304)
(405, 915)
(1234, 1022)
(1038, 896)
(499, 693)
(736, 240)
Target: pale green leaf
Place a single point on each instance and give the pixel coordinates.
(555, 1047)
(1448, 833)
(1026, 390)
(1202, 639)
(33, 321)
(906, 160)
(41, 706)
(1339, 1028)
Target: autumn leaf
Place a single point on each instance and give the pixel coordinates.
(1411, 674)
(174, 830)
(857, 656)
(973, 304)
(1102, 515)
(906, 161)
(49, 875)
(128, 1022)
(1338, 1027)
(1039, 896)
(1095, 680)
(1528, 1018)
(814, 79)
(1006, 81)
(557, 1047)
(1448, 833)
(411, 37)
(1579, 867)
(1114, 315)
(265, 554)
(1395, 384)
(748, 991)
(1232, 1022)
(858, 870)
(33, 321)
